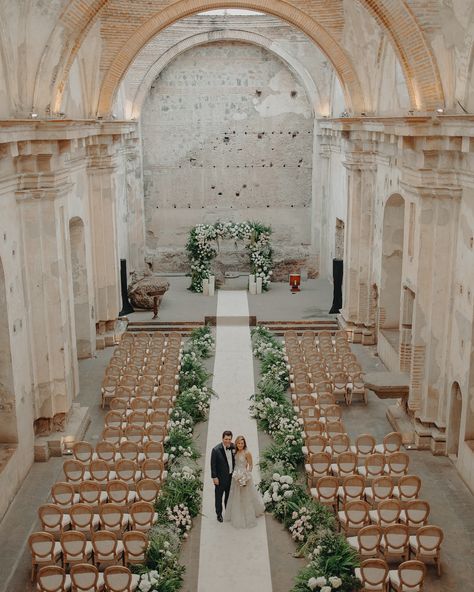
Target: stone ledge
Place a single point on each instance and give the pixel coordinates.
(56, 443)
(401, 422)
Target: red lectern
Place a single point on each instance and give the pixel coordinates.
(295, 281)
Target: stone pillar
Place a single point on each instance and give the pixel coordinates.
(42, 188)
(359, 299)
(135, 205)
(320, 202)
(102, 202)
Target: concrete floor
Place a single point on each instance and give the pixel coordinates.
(452, 504)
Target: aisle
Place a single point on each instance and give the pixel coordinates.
(230, 559)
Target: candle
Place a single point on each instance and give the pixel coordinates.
(251, 278)
(212, 285)
(259, 285)
(253, 288)
(205, 287)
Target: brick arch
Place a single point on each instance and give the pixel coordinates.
(223, 35)
(394, 16)
(183, 8)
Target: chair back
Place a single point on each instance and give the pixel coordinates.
(82, 517)
(138, 418)
(63, 494)
(412, 575)
(388, 512)
(154, 449)
(315, 443)
(353, 487)
(105, 451)
(129, 450)
(369, 538)
(347, 463)
(334, 427)
(117, 491)
(112, 436)
(153, 468)
(365, 444)
(417, 512)
(42, 547)
(142, 515)
(113, 419)
(332, 413)
(74, 470)
(104, 543)
(99, 470)
(126, 470)
(119, 405)
(147, 490)
(135, 433)
(374, 574)
(409, 487)
(392, 442)
(382, 488)
(84, 577)
(135, 544)
(429, 539)
(111, 517)
(90, 492)
(398, 463)
(139, 404)
(396, 538)
(320, 463)
(51, 517)
(51, 578)
(156, 433)
(82, 451)
(339, 443)
(375, 465)
(357, 513)
(327, 489)
(118, 578)
(73, 544)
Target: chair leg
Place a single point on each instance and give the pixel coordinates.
(33, 570)
(438, 565)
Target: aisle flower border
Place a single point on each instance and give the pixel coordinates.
(311, 525)
(179, 500)
(203, 245)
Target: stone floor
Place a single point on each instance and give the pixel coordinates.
(452, 504)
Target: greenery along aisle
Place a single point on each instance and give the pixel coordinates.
(179, 500)
(331, 562)
(203, 246)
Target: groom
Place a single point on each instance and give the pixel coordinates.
(222, 465)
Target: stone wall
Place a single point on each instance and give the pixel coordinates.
(227, 134)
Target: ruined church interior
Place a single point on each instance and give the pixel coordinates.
(336, 136)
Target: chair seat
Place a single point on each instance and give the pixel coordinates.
(367, 586)
(415, 548)
(395, 582)
(65, 525)
(47, 560)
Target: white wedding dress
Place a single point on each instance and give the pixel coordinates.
(245, 502)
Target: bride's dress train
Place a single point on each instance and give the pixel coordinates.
(245, 502)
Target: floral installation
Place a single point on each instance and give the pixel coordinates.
(203, 245)
(311, 525)
(179, 500)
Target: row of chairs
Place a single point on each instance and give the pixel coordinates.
(85, 452)
(106, 516)
(85, 577)
(101, 472)
(364, 444)
(376, 576)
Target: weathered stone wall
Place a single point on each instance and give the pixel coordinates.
(227, 134)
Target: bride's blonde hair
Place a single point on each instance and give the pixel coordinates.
(238, 439)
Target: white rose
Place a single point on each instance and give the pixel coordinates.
(321, 581)
(335, 582)
(145, 585)
(276, 477)
(312, 583)
(288, 494)
(326, 589)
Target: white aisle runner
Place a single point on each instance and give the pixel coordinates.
(230, 559)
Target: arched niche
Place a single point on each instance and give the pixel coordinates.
(392, 261)
(80, 288)
(455, 413)
(8, 424)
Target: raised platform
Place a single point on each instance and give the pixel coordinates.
(58, 443)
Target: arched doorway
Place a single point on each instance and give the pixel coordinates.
(80, 288)
(8, 426)
(455, 411)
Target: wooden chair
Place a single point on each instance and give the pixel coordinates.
(145, 392)
(112, 436)
(138, 418)
(106, 451)
(397, 464)
(114, 419)
(425, 545)
(346, 465)
(44, 551)
(142, 516)
(373, 573)
(131, 451)
(53, 519)
(352, 489)
(338, 444)
(340, 386)
(380, 489)
(326, 490)
(392, 442)
(92, 494)
(318, 465)
(367, 542)
(408, 488)
(119, 405)
(113, 518)
(135, 544)
(120, 579)
(386, 514)
(53, 578)
(148, 490)
(107, 548)
(333, 428)
(357, 387)
(86, 578)
(374, 466)
(75, 547)
(159, 416)
(395, 543)
(364, 445)
(83, 519)
(75, 472)
(354, 516)
(156, 433)
(64, 495)
(82, 451)
(314, 444)
(331, 413)
(311, 413)
(118, 492)
(139, 404)
(136, 434)
(153, 468)
(409, 577)
(153, 449)
(415, 514)
(100, 472)
(108, 389)
(128, 471)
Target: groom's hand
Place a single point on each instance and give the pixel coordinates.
(215, 481)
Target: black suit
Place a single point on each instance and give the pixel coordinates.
(220, 469)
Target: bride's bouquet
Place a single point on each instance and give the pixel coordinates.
(241, 477)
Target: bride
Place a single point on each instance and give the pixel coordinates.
(245, 503)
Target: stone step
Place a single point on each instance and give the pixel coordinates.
(316, 325)
(171, 327)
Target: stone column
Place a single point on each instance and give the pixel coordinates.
(102, 171)
(42, 188)
(320, 202)
(359, 299)
(135, 204)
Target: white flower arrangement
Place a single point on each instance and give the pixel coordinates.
(279, 488)
(180, 517)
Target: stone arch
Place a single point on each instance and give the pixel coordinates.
(223, 35)
(454, 422)
(80, 288)
(415, 55)
(392, 261)
(8, 424)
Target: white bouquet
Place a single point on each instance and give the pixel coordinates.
(241, 477)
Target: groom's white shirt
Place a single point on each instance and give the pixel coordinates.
(228, 454)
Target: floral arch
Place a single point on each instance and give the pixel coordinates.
(203, 246)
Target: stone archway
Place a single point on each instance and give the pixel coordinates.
(8, 424)
(80, 288)
(455, 413)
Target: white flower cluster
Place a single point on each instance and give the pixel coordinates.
(179, 516)
(185, 473)
(279, 488)
(324, 584)
(181, 423)
(177, 451)
(148, 580)
(262, 348)
(301, 525)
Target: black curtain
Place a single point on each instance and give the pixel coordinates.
(337, 272)
(126, 306)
